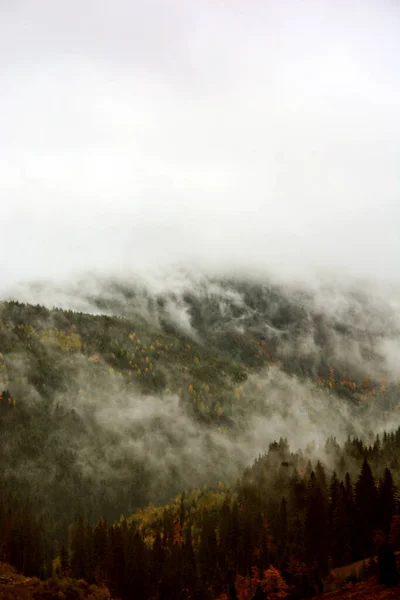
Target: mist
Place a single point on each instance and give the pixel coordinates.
(242, 137)
(307, 328)
(119, 427)
(216, 171)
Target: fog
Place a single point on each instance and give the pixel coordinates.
(180, 453)
(120, 427)
(226, 135)
(178, 149)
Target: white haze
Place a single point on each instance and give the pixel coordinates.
(234, 138)
(160, 431)
(370, 313)
(234, 134)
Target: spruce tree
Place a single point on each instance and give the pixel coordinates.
(340, 543)
(386, 501)
(316, 526)
(366, 506)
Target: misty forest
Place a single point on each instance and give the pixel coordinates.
(199, 300)
(230, 439)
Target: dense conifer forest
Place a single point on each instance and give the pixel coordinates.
(199, 300)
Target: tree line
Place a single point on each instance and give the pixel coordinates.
(275, 534)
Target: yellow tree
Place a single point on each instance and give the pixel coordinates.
(273, 584)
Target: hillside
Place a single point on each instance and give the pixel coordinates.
(251, 398)
(215, 370)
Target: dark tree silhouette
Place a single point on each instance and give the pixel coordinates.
(387, 565)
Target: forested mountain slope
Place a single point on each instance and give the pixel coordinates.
(162, 390)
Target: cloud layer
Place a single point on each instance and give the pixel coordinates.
(137, 134)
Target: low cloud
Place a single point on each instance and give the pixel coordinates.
(236, 136)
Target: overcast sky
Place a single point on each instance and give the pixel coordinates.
(144, 132)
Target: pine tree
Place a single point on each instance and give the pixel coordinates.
(116, 570)
(137, 582)
(340, 546)
(366, 505)
(333, 495)
(100, 547)
(208, 549)
(79, 556)
(316, 526)
(189, 572)
(157, 559)
(321, 478)
(386, 501)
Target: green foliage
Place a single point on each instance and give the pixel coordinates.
(58, 367)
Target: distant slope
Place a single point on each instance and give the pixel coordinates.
(309, 330)
(180, 384)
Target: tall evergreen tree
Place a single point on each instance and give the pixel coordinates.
(79, 551)
(321, 478)
(386, 501)
(316, 526)
(340, 543)
(366, 507)
(334, 488)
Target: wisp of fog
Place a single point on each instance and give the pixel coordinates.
(219, 169)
